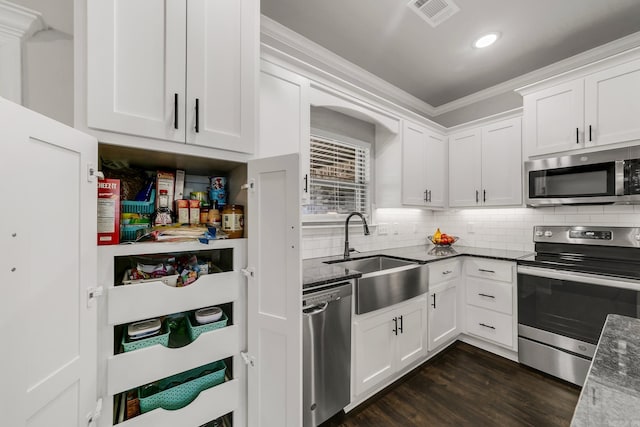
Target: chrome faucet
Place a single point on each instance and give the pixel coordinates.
(347, 249)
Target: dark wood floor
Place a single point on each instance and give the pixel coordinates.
(466, 386)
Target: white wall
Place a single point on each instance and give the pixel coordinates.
(513, 228)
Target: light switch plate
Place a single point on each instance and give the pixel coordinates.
(383, 229)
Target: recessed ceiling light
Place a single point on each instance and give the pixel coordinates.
(486, 40)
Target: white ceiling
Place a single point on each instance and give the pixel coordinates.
(439, 65)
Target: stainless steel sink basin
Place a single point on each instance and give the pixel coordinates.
(385, 281)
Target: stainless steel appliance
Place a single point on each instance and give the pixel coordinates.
(603, 177)
(326, 352)
(577, 276)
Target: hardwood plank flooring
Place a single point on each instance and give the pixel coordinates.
(466, 386)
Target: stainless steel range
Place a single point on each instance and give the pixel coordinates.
(577, 276)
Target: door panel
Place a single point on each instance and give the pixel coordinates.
(414, 146)
(502, 163)
(435, 167)
(443, 317)
(465, 169)
(135, 67)
(49, 371)
(375, 350)
(412, 338)
(275, 293)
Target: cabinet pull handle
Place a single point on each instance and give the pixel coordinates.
(486, 326)
(306, 183)
(589, 133)
(577, 136)
(400, 329)
(425, 195)
(477, 195)
(484, 196)
(197, 115)
(487, 296)
(434, 301)
(447, 272)
(395, 325)
(486, 271)
(429, 196)
(175, 111)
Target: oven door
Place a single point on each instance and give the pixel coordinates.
(573, 305)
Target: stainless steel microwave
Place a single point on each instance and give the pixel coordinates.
(603, 177)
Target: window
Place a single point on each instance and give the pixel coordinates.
(339, 178)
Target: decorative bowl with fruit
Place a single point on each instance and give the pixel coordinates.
(442, 239)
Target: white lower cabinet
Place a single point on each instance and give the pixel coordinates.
(128, 373)
(490, 325)
(388, 340)
(443, 314)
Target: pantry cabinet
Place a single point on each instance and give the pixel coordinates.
(596, 109)
(285, 117)
(485, 166)
(174, 70)
(387, 341)
(424, 167)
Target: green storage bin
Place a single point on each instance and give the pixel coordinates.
(195, 329)
(162, 339)
(129, 206)
(129, 233)
(188, 386)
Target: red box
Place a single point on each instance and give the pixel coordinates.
(108, 211)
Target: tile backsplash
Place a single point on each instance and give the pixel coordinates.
(487, 228)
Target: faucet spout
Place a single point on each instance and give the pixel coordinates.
(347, 249)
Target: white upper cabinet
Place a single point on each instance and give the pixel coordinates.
(424, 157)
(597, 106)
(485, 165)
(553, 119)
(612, 104)
(174, 70)
(285, 117)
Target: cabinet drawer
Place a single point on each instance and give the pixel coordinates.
(489, 269)
(492, 295)
(128, 303)
(443, 271)
(490, 325)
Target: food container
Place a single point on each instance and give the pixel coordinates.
(218, 192)
(143, 329)
(233, 221)
(208, 315)
(455, 239)
(171, 280)
(182, 207)
(195, 330)
(194, 211)
(147, 335)
(201, 196)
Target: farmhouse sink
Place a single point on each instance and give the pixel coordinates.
(385, 281)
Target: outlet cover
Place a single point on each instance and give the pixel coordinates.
(383, 229)
(395, 227)
(471, 228)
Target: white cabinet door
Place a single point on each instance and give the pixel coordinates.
(443, 314)
(502, 163)
(412, 333)
(274, 293)
(284, 117)
(554, 119)
(465, 168)
(135, 67)
(414, 179)
(375, 350)
(612, 105)
(435, 167)
(222, 73)
(49, 327)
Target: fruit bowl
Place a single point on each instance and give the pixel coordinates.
(455, 239)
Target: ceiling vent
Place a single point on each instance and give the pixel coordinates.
(435, 12)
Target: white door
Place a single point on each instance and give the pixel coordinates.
(48, 257)
(274, 293)
(136, 67)
(465, 169)
(414, 146)
(412, 333)
(285, 117)
(443, 314)
(435, 167)
(554, 119)
(612, 105)
(375, 350)
(222, 73)
(502, 163)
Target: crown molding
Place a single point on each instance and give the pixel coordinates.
(18, 21)
(277, 36)
(504, 115)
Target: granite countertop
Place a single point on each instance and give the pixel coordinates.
(317, 273)
(611, 393)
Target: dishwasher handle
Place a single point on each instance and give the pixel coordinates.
(315, 309)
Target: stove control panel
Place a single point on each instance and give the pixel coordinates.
(590, 234)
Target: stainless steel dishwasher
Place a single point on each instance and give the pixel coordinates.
(326, 317)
